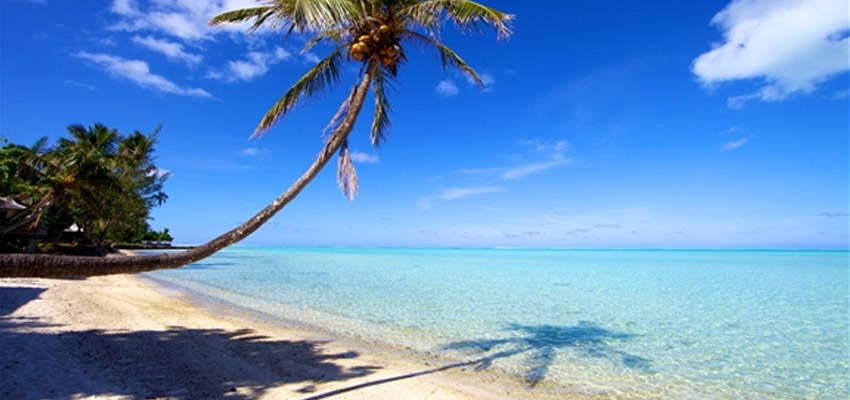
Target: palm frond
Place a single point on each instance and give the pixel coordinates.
(447, 56)
(313, 15)
(40, 146)
(346, 176)
(295, 15)
(261, 14)
(467, 15)
(381, 122)
(334, 35)
(316, 80)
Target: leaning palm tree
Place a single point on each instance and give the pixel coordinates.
(372, 34)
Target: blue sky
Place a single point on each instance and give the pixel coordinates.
(670, 124)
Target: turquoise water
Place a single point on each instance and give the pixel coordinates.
(631, 324)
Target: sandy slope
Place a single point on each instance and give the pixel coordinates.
(117, 337)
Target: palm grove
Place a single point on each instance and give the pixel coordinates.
(92, 189)
(371, 34)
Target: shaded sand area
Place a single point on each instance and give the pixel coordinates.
(119, 337)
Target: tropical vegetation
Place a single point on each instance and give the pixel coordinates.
(373, 35)
(92, 189)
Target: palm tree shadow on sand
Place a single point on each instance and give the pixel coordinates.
(38, 363)
(540, 345)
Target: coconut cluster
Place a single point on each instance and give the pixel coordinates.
(377, 42)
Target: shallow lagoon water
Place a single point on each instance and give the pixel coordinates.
(631, 324)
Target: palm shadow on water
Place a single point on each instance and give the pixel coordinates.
(539, 344)
(37, 361)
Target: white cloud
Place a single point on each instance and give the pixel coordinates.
(447, 88)
(311, 58)
(459, 193)
(125, 7)
(555, 151)
(250, 151)
(184, 19)
(425, 203)
(731, 130)
(172, 50)
(792, 45)
(533, 168)
(256, 64)
(139, 73)
(833, 214)
(557, 147)
(79, 84)
(734, 144)
(361, 157)
(254, 152)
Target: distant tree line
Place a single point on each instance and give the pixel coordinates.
(89, 191)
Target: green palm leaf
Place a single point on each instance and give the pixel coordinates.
(447, 56)
(261, 14)
(314, 82)
(295, 15)
(381, 121)
(467, 15)
(335, 36)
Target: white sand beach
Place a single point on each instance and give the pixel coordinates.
(118, 337)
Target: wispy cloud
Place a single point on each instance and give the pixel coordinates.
(547, 155)
(533, 168)
(553, 150)
(527, 234)
(255, 64)
(459, 193)
(183, 19)
(139, 73)
(125, 7)
(254, 152)
(833, 214)
(172, 50)
(364, 158)
(427, 202)
(487, 79)
(791, 44)
(558, 146)
(79, 84)
(447, 88)
(734, 144)
(607, 226)
(731, 130)
(310, 58)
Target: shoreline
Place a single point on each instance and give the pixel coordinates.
(124, 336)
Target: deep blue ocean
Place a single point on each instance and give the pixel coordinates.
(631, 324)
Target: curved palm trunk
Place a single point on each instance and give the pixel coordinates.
(55, 266)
